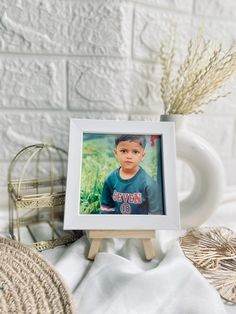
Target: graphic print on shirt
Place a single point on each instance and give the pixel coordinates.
(139, 195)
(125, 199)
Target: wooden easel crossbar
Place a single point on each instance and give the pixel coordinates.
(96, 237)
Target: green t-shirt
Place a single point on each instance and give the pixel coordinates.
(139, 195)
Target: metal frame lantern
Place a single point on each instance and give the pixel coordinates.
(36, 188)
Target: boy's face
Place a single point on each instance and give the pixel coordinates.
(129, 155)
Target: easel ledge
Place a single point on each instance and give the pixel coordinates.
(96, 237)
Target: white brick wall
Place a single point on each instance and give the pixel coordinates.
(97, 59)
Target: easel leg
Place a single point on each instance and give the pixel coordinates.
(94, 247)
(148, 249)
(96, 236)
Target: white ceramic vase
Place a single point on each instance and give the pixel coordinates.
(208, 172)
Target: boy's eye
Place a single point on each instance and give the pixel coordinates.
(135, 152)
(123, 151)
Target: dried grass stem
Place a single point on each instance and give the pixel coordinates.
(204, 70)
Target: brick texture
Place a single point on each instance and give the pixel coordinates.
(216, 8)
(65, 27)
(100, 59)
(32, 84)
(115, 86)
(177, 5)
(153, 26)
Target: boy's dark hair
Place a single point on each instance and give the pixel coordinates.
(141, 139)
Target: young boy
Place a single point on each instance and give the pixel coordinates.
(129, 189)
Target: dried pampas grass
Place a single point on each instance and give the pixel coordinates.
(205, 69)
(213, 253)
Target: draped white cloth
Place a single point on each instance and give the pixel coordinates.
(120, 280)
(123, 283)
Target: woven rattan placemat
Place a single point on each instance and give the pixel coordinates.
(28, 284)
(212, 250)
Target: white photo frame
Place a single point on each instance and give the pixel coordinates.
(75, 219)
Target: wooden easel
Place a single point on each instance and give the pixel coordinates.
(146, 236)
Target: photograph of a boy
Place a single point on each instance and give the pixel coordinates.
(129, 189)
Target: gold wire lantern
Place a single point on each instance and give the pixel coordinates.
(36, 188)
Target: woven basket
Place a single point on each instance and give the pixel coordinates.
(28, 284)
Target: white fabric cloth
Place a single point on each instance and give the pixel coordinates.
(113, 284)
(120, 280)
